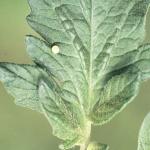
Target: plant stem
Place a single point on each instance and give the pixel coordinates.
(83, 147)
(87, 137)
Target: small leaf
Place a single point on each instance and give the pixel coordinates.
(144, 135)
(97, 146)
(117, 93)
(21, 81)
(65, 117)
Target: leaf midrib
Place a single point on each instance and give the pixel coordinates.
(90, 72)
(91, 60)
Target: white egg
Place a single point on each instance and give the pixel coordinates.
(55, 49)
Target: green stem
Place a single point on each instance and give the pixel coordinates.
(83, 147)
(87, 137)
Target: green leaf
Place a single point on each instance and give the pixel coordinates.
(144, 135)
(97, 146)
(136, 57)
(21, 81)
(96, 38)
(100, 48)
(66, 117)
(117, 93)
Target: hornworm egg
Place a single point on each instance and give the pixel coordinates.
(55, 49)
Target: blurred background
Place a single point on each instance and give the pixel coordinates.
(23, 129)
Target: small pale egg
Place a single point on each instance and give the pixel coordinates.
(55, 49)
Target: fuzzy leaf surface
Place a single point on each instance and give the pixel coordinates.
(21, 81)
(98, 40)
(97, 71)
(66, 117)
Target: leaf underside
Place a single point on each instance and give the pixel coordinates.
(97, 71)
